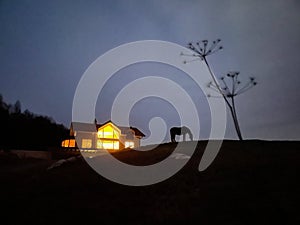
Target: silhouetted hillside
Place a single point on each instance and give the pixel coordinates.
(249, 182)
(26, 130)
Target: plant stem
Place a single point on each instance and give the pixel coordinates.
(231, 107)
(215, 81)
(235, 119)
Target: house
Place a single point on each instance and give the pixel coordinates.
(102, 136)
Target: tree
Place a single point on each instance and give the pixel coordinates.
(1, 101)
(28, 130)
(228, 93)
(17, 107)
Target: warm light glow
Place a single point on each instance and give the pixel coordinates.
(108, 132)
(89, 150)
(107, 144)
(65, 143)
(86, 143)
(129, 144)
(69, 143)
(72, 143)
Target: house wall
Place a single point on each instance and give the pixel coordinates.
(86, 135)
(93, 137)
(135, 140)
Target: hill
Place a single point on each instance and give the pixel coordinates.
(26, 130)
(250, 182)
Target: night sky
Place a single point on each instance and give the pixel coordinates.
(46, 46)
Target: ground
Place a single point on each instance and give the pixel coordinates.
(250, 182)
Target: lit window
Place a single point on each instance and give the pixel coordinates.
(108, 132)
(68, 143)
(65, 143)
(106, 144)
(86, 143)
(129, 144)
(72, 143)
(116, 145)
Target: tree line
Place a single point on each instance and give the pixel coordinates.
(26, 130)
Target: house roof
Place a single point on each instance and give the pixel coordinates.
(90, 127)
(123, 129)
(83, 127)
(137, 132)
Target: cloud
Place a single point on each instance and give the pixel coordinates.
(46, 47)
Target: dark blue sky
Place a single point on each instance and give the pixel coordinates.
(45, 47)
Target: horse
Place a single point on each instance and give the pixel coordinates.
(180, 131)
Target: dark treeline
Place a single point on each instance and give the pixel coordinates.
(26, 130)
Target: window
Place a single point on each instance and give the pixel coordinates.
(68, 143)
(72, 143)
(86, 143)
(65, 143)
(108, 144)
(108, 132)
(129, 144)
(108, 137)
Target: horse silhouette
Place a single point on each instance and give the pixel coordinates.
(180, 131)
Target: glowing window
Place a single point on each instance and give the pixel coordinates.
(108, 132)
(129, 144)
(65, 143)
(68, 143)
(106, 144)
(72, 143)
(86, 143)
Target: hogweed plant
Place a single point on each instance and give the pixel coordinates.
(229, 87)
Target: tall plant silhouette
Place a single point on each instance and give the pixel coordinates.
(227, 89)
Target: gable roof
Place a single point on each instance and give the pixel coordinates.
(83, 127)
(123, 129)
(112, 124)
(137, 132)
(91, 127)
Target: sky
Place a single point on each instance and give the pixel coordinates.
(46, 46)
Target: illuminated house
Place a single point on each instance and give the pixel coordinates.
(103, 136)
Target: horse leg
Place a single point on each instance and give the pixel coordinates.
(191, 136)
(172, 136)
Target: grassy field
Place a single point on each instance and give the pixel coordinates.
(250, 182)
